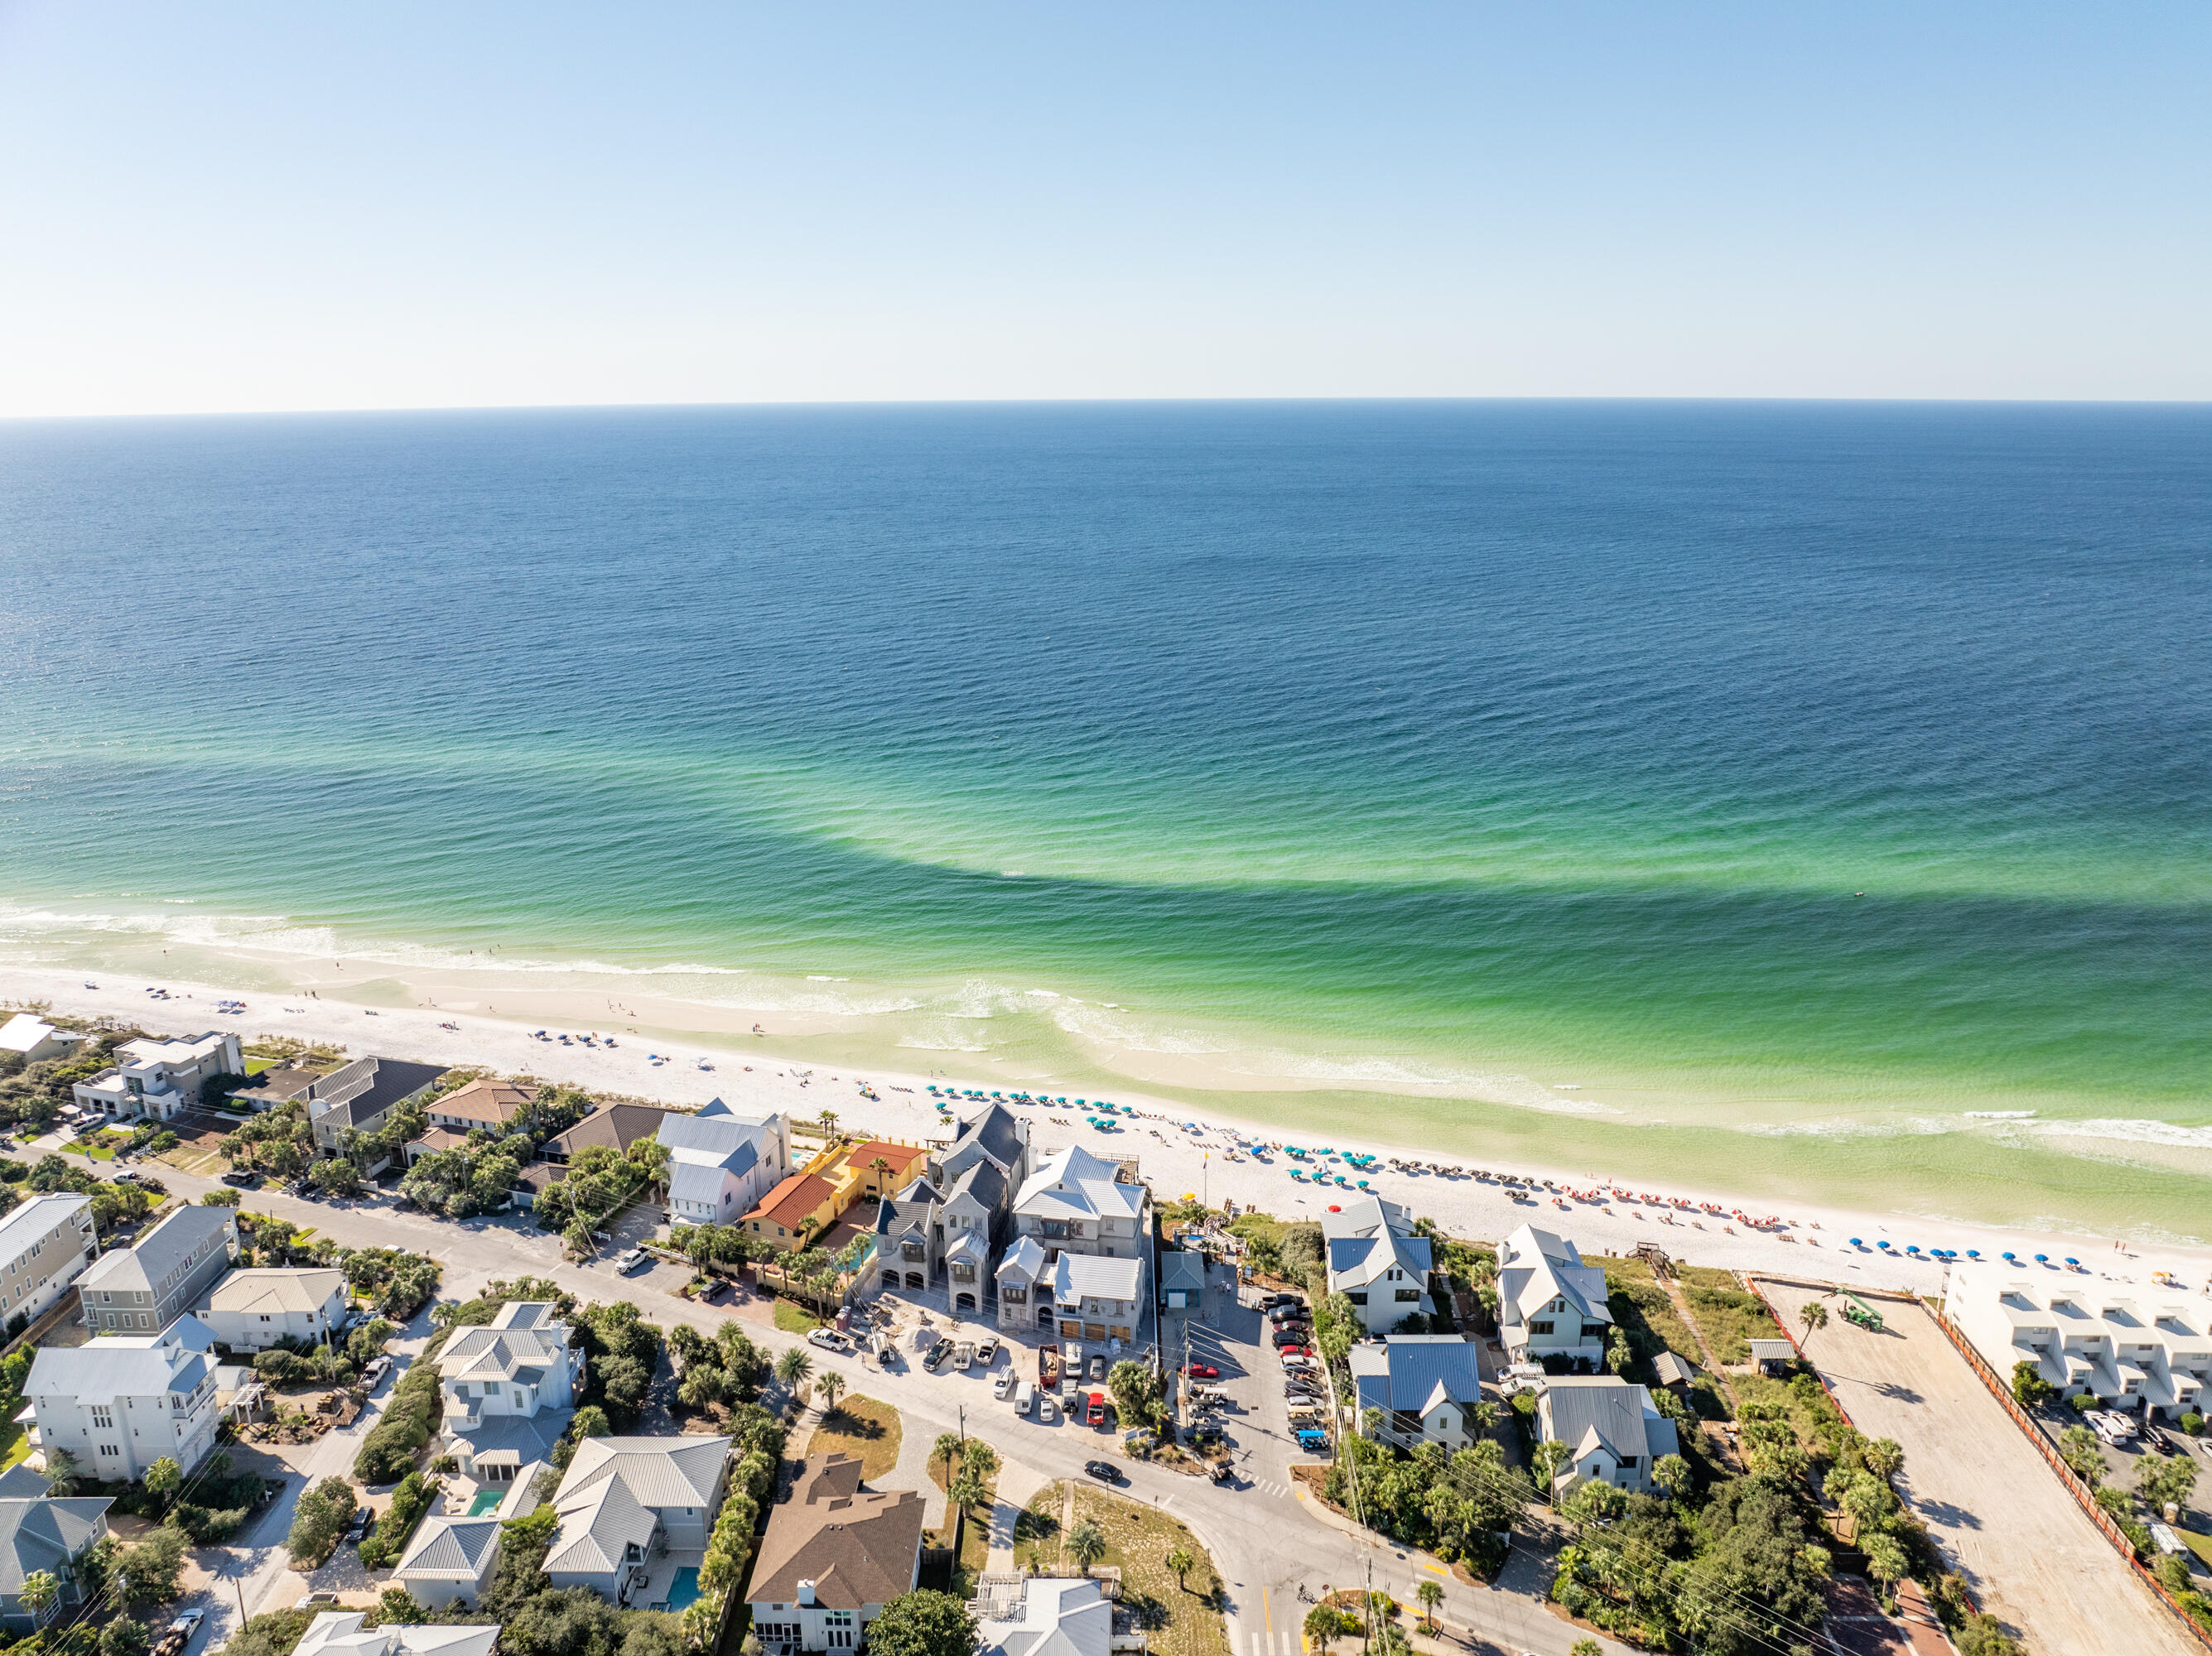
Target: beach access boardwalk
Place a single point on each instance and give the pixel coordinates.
(2001, 1515)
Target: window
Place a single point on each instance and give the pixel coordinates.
(109, 1449)
(103, 1418)
(1628, 1463)
(1357, 1298)
(1406, 1294)
(1541, 1326)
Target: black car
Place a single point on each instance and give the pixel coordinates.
(241, 1177)
(1294, 1335)
(1282, 1300)
(1105, 1471)
(939, 1354)
(1294, 1312)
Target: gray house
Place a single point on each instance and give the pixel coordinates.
(1000, 1140)
(137, 1291)
(907, 1242)
(49, 1534)
(361, 1096)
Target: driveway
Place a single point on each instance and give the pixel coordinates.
(2000, 1514)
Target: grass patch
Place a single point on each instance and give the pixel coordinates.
(1037, 1529)
(1647, 1315)
(863, 1427)
(19, 1446)
(1178, 1621)
(793, 1317)
(1729, 1318)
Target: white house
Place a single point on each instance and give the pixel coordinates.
(253, 1310)
(523, 1362)
(339, 1633)
(721, 1163)
(46, 1242)
(834, 1556)
(35, 1040)
(1026, 1278)
(1613, 1433)
(633, 1509)
(1375, 1261)
(1075, 1203)
(450, 1558)
(2130, 1348)
(1099, 1298)
(139, 1289)
(1043, 1616)
(156, 1078)
(1426, 1387)
(1550, 1304)
(117, 1406)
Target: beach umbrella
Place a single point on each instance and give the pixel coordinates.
(1914, 1248)
(2042, 1258)
(2073, 1262)
(1856, 1243)
(1333, 1208)
(1974, 1253)
(1882, 1242)
(2010, 1257)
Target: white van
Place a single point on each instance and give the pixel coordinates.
(1024, 1397)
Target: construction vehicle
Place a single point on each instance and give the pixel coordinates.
(1858, 1311)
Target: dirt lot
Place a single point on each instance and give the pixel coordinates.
(1999, 1513)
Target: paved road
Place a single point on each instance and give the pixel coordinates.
(1997, 1510)
(1266, 1544)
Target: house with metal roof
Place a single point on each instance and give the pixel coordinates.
(1614, 1432)
(524, 1362)
(1077, 1203)
(721, 1163)
(633, 1511)
(140, 1290)
(35, 1040)
(1375, 1261)
(908, 1242)
(46, 1242)
(1182, 1279)
(449, 1559)
(341, 1633)
(1425, 1385)
(154, 1078)
(119, 1404)
(1097, 1298)
(52, 1534)
(834, 1556)
(1550, 1304)
(361, 1096)
(1045, 1616)
(253, 1310)
(997, 1138)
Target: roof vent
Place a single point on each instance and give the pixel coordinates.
(807, 1592)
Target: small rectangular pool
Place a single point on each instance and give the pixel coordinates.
(485, 1501)
(683, 1591)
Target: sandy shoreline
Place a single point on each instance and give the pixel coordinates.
(381, 1015)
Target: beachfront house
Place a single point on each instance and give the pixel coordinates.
(1097, 1298)
(117, 1406)
(47, 1533)
(907, 1238)
(155, 1079)
(720, 1164)
(483, 1105)
(1026, 1278)
(360, 1097)
(2129, 1347)
(1078, 1203)
(1423, 1388)
(1614, 1432)
(34, 1040)
(254, 1310)
(633, 1513)
(997, 1139)
(834, 1556)
(1551, 1307)
(139, 1289)
(1376, 1262)
(46, 1243)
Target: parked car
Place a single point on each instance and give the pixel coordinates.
(987, 1351)
(939, 1354)
(128, 1177)
(715, 1293)
(1097, 1365)
(1313, 1442)
(829, 1339)
(1292, 1337)
(627, 1262)
(1095, 1415)
(1222, 1472)
(1003, 1385)
(1048, 1409)
(1025, 1396)
(1295, 1311)
(963, 1355)
(377, 1369)
(1105, 1471)
(1201, 1371)
(1285, 1299)
(241, 1177)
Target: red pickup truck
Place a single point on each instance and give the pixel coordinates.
(1096, 1414)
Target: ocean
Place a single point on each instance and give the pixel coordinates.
(1811, 800)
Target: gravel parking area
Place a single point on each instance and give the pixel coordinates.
(1999, 1513)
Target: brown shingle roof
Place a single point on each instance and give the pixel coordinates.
(484, 1100)
(858, 1546)
(617, 1126)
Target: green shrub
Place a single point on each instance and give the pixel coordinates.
(2192, 1423)
(386, 1543)
(318, 1520)
(388, 1452)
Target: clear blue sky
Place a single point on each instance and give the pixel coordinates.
(304, 205)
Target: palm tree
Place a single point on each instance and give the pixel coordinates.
(981, 1457)
(1431, 1596)
(947, 1448)
(1886, 1560)
(61, 1472)
(1323, 1624)
(1884, 1459)
(1484, 1416)
(828, 1120)
(1548, 1456)
(1181, 1561)
(1086, 1543)
(967, 1492)
(40, 1591)
(1814, 1315)
(792, 1368)
(832, 1386)
(882, 1169)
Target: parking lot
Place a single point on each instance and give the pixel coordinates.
(2003, 1518)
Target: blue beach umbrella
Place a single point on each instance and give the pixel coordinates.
(1856, 1243)
(2042, 1258)
(1974, 1253)
(2073, 1262)
(2009, 1258)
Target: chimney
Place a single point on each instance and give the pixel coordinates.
(806, 1594)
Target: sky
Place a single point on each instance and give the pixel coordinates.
(267, 207)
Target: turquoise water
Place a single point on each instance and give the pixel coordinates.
(1811, 799)
(682, 1590)
(485, 1501)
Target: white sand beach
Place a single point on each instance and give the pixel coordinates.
(1181, 1149)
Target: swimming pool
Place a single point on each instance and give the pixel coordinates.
(485, 1501)
(682, 1590)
